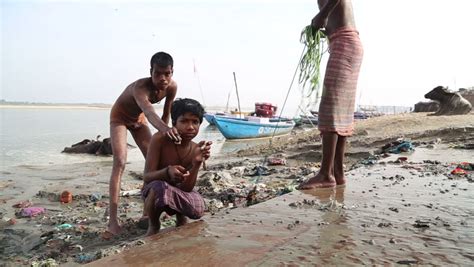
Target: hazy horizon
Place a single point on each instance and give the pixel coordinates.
(89, 51)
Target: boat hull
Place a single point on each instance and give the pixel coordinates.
(210, 118)
(233, 128)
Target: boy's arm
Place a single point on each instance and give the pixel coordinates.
(190, 181)
(152, 161)
(201, 151)
(170, 95)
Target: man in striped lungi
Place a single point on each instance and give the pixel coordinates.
(336, 110)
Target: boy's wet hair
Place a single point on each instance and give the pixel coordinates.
(161, 59)
(183, 105)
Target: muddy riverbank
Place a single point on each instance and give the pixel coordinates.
(395, 197)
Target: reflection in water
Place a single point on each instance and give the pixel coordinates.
(333, 241)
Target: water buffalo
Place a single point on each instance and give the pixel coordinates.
(450, 103)
(430, 106)
(95, 147)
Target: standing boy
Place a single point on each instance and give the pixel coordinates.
(171, 168)
(129, 113)
(336, 111)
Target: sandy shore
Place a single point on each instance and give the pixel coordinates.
(71, 232)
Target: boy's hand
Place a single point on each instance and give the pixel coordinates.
(177, 174)
(202, 151)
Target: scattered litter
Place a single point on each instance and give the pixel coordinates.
(466, 166)
(276, 161)
(45, 263)
(458, 171)
(31, 212)
(94, 197)
(129, 193)
(421, 224)
(64, 226)
(398, 147)
(66, 197)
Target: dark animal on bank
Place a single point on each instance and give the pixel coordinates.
(430, 106)
(95, 147)
(450, 103)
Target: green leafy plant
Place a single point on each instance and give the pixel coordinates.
(310, 74)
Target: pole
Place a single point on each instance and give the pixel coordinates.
(237, 92)
(199, 82)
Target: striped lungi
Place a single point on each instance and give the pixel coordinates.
(175, 200)
(336, 110)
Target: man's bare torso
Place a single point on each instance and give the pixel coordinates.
(127, 102)
(341, 16)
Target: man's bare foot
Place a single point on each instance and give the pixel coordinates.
(153, 229)
(181, 220)
(318, 181)
(112, 230)
(341, 181)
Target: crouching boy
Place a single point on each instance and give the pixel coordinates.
(171, 168)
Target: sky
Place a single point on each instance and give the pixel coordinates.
(89, 51)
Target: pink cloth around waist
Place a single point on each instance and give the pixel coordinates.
(342, 31)
(336, 110)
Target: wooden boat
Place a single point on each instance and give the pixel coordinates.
(252, 127)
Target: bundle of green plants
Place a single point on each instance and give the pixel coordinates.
(310, 74)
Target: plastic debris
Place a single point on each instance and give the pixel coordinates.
(64, 226)
(129, 193)
(398, 147)
(94, 197)
(466, 166)
(85, 258)
(458, 171)
(276, 161)
(31, 211)
(66, 197)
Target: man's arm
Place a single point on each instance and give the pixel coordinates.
(140, 93)
(321, 19)
(170, 95)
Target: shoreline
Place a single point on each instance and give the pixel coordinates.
(55, 106)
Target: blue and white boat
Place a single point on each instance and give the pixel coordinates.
(252, 127)
(210, 117)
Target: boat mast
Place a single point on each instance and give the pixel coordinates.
(199, 82)
(237, 92)
(227, 105)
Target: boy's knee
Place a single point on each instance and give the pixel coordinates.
(119, 163)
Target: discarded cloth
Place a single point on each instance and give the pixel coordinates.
(31, 211)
